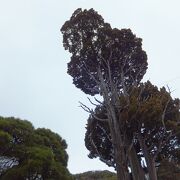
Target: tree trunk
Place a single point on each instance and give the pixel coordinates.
(121, 168)
(137, 171)
(116, 134)
(121, 160)
(149, 159)
(151, 169)
(118, 145)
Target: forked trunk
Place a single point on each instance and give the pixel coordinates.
(118, 145)
(117, 141)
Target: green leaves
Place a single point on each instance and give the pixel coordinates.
(5, 140)
(36, 152)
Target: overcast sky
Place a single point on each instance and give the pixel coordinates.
(34, 84)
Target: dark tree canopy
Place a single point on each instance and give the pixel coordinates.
(27, 153)
(98, 138)
(168, 171)
(95, 46)
(151, 113)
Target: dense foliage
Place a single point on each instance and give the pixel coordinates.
(168, 171)
(94, 46)
(27, 153)
(147, 112)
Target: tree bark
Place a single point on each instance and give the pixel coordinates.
(119, 149)
(116, 134)
(149, 159)
(152, 170)
(136, 168)
(121, 167)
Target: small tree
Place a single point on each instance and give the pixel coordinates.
(108, 62)
(28, 153)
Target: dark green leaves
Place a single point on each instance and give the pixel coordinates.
(94, 46)
(28, 153)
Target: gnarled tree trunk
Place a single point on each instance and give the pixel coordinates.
(136, 168)
(118, 145)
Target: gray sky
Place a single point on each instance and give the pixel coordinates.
(34, 84)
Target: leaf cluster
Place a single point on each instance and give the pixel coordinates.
(29, 153)
(95, 46)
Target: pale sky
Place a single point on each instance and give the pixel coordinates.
(34, 84)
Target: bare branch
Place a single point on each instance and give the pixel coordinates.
(95, 147)
(89, 73)
(105, 133)
(90, 111)
(99, 119)
(92, 102)
(83, 106)
(98, 101)
(164, 113)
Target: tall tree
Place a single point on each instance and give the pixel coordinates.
(28, 153)
(104, 61)
(150, 119)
